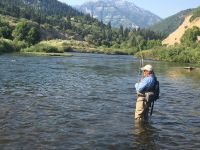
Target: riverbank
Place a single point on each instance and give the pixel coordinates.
(82, 47)
(177, 53)
(45, 54)
(57, 46)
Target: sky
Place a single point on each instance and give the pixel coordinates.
(162, 8)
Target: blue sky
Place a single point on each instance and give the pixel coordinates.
(162, 8)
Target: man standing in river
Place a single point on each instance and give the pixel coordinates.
(145, 93)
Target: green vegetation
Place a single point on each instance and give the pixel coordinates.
(5, 30)
(176, 53)
(190, 36)
(61, 46)
(188, 51)
(42, 48)
(195, 14)
(8, 46)
(27, 32)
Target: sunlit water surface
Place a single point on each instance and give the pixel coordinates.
(87, 102)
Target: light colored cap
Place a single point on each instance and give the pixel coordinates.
(147, 67)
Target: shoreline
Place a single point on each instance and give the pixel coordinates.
(45, 54)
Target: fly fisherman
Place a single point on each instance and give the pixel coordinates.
(147, 92)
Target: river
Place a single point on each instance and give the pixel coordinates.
(87, 102)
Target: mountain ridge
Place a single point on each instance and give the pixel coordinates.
(171, 23)
(118, 13)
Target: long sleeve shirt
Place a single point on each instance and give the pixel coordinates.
(146, 84)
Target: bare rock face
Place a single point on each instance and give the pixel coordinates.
(119, 12)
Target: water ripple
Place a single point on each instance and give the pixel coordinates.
(87, 102)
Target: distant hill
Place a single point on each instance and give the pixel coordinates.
(119, 12)
(171, 23)
(191, 20)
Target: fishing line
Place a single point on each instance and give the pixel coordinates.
(141, 60)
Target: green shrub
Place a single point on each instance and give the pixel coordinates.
(178, 53)
(28, 32)
(195, 14)
(151, 43)
(45, 48)
(19, 45)
(190, 36)
(7, 46)
(5, 30)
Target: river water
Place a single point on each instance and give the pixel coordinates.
(87, 102)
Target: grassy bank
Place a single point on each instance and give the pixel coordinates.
(55, 47)
(60, 46)
(178, 53)
(42, 48)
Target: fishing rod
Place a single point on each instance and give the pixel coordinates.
(140, 75)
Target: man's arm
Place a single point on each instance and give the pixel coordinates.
(141, 85)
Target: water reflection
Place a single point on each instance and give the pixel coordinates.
(145, 136)
(177, 72)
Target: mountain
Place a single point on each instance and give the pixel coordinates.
(191, 20)
(119, 12)
(170, 24)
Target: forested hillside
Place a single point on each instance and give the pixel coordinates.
(39, 9)
(31, 21)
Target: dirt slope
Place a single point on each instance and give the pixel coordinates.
(177, 34)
